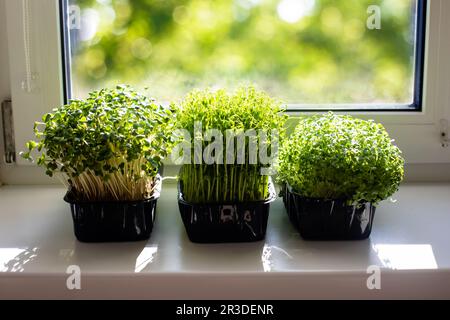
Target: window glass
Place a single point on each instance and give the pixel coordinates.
(308, 52)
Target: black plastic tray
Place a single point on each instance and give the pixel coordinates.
(113, 221)
(226, 222)
(321, 219)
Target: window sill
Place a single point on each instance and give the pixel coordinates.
(409, 243)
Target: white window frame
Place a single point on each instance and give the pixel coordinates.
(417, 133)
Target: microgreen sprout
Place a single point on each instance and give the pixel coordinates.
(106, 147)
(340, 157)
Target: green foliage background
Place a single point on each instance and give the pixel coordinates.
(173, 46)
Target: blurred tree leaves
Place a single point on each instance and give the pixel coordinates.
(172, 46)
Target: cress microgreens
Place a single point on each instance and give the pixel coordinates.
(245, 109)
(341, 157)
(106, 147)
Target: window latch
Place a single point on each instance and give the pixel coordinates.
(445, 139)
(8, 132)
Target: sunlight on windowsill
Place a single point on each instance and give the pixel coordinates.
(14, 259)
(406, 257)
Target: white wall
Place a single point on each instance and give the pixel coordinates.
(4, 69)
(5, 90)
